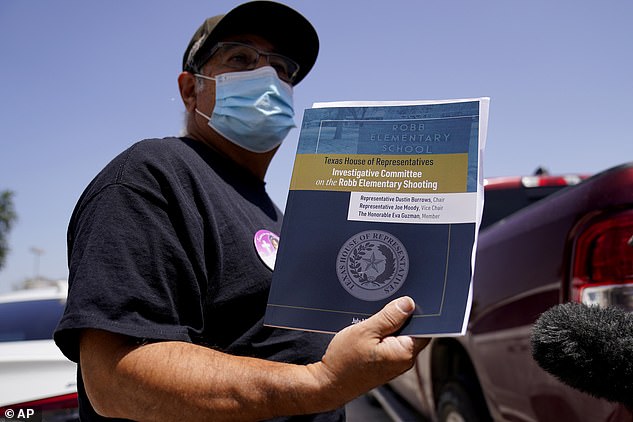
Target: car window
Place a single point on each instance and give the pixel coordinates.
(29, 320)
(500, 203)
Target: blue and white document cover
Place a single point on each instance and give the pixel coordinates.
(385, 200)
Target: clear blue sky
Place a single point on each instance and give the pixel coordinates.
(82, 80)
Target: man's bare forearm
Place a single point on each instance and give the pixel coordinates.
(181, 381)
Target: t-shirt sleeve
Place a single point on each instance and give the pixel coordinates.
(132, 269)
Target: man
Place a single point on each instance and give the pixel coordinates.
(167, 293)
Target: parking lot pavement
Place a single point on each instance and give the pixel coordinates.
(365, 409)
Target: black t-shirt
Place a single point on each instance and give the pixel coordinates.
(161, 247)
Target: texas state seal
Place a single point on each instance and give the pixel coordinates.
(372, 265)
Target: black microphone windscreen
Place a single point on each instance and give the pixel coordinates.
(588, 348)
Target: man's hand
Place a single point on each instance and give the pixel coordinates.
(366, 355)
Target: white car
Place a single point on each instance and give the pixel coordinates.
(35, 377)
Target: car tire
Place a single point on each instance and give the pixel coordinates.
(455, 404)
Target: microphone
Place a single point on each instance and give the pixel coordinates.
(588, 348)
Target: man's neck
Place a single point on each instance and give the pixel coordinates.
(255, 163)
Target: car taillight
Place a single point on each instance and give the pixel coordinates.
(62, 408)
(602, 269)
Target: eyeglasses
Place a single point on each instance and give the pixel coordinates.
(240, 56)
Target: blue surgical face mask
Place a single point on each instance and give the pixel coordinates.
(253, 109)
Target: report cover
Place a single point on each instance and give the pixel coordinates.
(385, 200)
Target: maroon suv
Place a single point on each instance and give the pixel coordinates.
(544, 240)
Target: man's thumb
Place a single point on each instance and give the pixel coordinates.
(393, 316)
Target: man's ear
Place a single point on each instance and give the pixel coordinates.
(187, 87)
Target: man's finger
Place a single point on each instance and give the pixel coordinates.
(420, 343)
